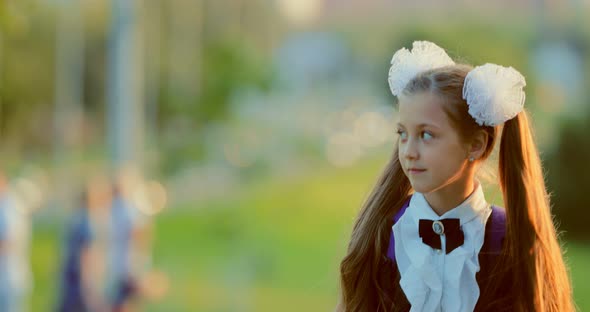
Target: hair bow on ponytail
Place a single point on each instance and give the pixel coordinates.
(494, 93)
(405, 64)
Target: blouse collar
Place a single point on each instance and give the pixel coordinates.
(470, 208)
(426, 274)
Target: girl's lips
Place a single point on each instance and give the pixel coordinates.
(415, 171)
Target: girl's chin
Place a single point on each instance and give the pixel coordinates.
(420, 187)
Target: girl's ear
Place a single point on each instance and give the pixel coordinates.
(478, 144)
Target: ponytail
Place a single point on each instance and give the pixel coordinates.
(531, 250)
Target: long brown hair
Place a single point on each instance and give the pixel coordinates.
(531, 249)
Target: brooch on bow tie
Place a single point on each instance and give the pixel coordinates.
(431, 231)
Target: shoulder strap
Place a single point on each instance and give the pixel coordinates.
(488, 255)
(495, 232)
(396, 217)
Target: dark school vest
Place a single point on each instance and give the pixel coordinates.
(495, 232)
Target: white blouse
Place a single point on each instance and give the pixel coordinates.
(431, 279)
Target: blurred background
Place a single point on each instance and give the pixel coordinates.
(211, 155)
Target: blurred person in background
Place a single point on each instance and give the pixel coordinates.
(15, 235)
(82, 282)
(127, 257)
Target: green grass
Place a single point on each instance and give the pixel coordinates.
(274, 246)
(578, 256)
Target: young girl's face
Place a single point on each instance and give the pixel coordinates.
(431, 151)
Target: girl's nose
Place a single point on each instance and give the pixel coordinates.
(410, 150)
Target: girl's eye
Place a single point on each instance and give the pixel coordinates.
(402, 134)
(426, 135)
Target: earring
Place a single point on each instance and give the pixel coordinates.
(471, 159)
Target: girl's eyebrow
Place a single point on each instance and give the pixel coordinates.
(422, 125)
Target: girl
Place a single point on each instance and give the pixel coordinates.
(426, 239)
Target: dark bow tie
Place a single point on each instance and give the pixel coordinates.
(431, 231)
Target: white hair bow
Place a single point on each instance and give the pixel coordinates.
(405, 64)
(494, 93)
